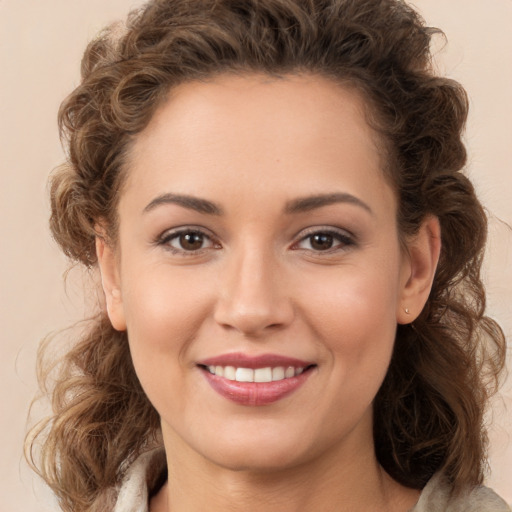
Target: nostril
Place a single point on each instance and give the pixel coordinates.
(252, 320)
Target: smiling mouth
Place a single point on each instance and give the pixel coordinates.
(255, 380)
(261, 375)
(259, 385)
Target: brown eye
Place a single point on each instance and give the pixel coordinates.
(321, 241)
(191, 241)
(187, 241)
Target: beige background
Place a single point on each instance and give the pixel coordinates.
(40, 47)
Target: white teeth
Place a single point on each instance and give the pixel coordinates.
(229, 372)
(266, 374)
(263, 375)
(278, 373)
(244, 375)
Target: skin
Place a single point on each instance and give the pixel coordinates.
(257, 284)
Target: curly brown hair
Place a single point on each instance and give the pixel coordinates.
(428, 414)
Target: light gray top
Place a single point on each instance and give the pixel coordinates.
(435, 497)
(133, 494)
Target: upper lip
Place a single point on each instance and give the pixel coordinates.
(240, 360)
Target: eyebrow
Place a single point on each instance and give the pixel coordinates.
(190, 202)
(306, 204)
(300, 205)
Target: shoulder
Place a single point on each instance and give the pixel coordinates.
(142, 476)
(436, 498)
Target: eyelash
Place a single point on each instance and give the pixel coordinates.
(344, 240)
(166, 238)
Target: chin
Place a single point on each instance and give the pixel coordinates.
(266, 453)
(257, 460)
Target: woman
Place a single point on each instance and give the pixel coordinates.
(290, 256)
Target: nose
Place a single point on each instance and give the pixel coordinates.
(253, 297)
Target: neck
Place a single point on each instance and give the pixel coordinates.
(352, 481)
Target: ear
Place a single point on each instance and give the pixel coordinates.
(110, 281)
(418, 270)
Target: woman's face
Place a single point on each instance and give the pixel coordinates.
(258, 234)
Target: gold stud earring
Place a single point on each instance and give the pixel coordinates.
(406, 311)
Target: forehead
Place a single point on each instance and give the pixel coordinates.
(293, 133)
(257, 103)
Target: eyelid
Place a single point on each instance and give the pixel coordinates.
(169, 234)
(346, 238)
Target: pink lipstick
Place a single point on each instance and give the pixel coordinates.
(255, 380)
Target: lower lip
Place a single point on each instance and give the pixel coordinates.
(255, 393)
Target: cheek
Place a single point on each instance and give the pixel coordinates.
(354, 315)
(357, 299)
(158, 300)
(164, 313)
